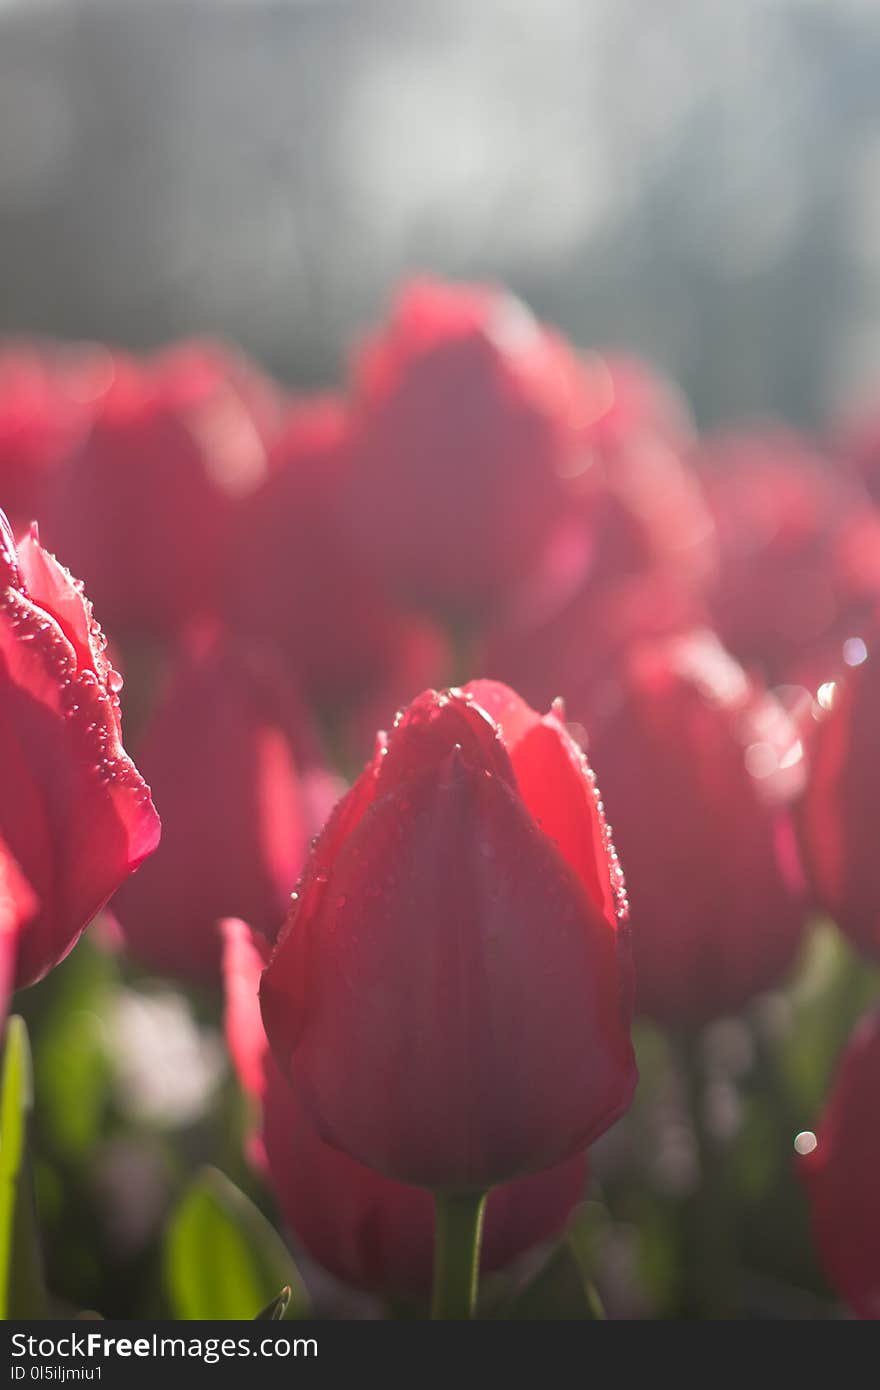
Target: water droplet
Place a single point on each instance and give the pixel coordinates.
(805, 1142)
(854, 651)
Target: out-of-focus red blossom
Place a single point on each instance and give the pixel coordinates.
(451, 994)
(644, 505)
(579, 646)
(469, 419)
(366, 1229)
(698, 768)
(294, 576)
(841, 811)
(635, 565)
(146, 506)
(234, 765)
(799, 552)
(841, 1174)
(75, 813)
(46, 393)
(18, 907)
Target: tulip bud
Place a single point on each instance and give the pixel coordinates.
(450, 996)
(18, 906)
(339, 633)
(75, 813)
(839, 813)
(44, 396)
(698, 769)
(367, 1230)
(635, 564)
(840, 1174)
(231, 759)
(467, 421)
(146, 505)
(799, 553)
(645, 510)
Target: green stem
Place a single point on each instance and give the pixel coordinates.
(710, 1245)
(458, 1229)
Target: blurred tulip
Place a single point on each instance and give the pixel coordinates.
(47, 392)
(634, 565)
(578, 647)
(367, 1230)
(698, 769)
(451, 992)
(234, 767)
(146, 506)
(18, 907)
(74, 811)
(800, 553)
(468, 421)
(841, 1174)
(644, 506)
(294, 577)
(839, 816)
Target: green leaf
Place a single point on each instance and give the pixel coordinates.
(22, 1294)
(222, 1257)
(562, 1289)
(275, 1311)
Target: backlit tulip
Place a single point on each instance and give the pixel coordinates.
(74, 811)
(633, 567)
(451, 993)
(839, 816)
(698, 769)
(233, 764)
(294, 577)
(467, 425)
(841, 1174)
(799, 552)
(146, 506)
(645, 511)
(18, 907)
(46, 396)
(366, 1229)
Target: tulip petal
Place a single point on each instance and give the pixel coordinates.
(428, 1014)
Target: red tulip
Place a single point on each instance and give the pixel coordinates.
(800, 553)
(294, 577)
(74, 811)
(698, 769)
(644, 507)
(450, 995)
(18, 907)
(146, 506)
(578, 646)
(45, 396)
(467, 425)
(635, 564)
(366, 1229)
(233, 765)
(840, 812)
(841, 1174)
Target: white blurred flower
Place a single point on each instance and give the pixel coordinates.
(167, 1067)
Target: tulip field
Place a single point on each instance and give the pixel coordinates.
(439, 836)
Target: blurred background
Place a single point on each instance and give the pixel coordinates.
(695, 181)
